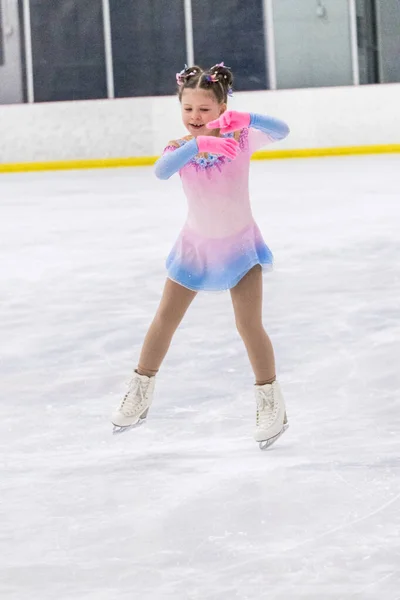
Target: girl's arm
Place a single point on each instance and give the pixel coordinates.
(233, 120)
(275, 128)
(173, 161)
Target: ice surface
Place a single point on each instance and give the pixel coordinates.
(187, 507)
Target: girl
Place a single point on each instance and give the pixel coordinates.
(220, 246)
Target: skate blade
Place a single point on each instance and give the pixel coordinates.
(117, 430)
(268, 443)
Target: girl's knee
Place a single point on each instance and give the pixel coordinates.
(249, 326)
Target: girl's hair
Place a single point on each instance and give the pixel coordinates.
(218, 79)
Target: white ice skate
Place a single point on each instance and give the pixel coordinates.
(271, 414)
(135, 405)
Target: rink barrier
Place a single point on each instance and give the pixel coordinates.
(143, 161)
(86, 163)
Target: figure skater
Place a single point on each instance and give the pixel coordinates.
(220, 246)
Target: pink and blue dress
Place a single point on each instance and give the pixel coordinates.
(220, 240)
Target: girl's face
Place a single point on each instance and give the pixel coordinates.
(198, 108)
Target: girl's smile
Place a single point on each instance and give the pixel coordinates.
(199, 107)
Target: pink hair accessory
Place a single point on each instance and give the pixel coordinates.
(222, 64)
(179, 76)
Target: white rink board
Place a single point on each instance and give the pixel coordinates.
(318, 118)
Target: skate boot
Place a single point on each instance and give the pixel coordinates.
(135, 404)
(271, 414)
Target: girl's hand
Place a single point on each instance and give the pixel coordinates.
(231, 120)
(216, 145)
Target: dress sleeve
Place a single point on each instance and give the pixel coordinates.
(265, 130)
(174, 158)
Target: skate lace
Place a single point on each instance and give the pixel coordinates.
(134, 397)
(267, 408)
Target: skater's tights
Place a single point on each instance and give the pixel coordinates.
(247, 304)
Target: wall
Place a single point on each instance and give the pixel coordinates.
(134, 127)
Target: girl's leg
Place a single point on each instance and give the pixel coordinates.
(247, 305)
(174, 303)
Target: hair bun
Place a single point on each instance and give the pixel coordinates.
(223, 74)
(187, 73)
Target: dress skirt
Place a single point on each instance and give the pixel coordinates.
(216, 264)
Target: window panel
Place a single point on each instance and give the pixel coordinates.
(388, 32)
(68, 50)
(312, 43)
(1, 36)
(149, 46)
(231, 31)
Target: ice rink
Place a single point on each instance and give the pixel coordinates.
(187, 507)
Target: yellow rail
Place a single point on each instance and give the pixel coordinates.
(141, 161)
